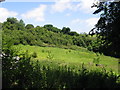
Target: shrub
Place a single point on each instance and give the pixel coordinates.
(96, 60)
(34, 55)
(28, 75)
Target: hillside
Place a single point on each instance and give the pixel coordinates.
(69, 57)
(49, 42)
(16, 32)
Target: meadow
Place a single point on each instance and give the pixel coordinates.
(54, 56)
(40, 68)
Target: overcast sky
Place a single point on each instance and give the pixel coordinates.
(61, 13)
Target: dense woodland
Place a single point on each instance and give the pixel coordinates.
(16, 32)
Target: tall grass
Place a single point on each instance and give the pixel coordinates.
(70, 57)
(28, 75)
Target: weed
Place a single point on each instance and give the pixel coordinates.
(50, 55)
(34, 55)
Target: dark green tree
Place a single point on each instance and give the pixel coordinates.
(22, 22)
(10, 23)
(21, 25)
(12, 20)
(73, 34)
(107, 28)
(50, 27)
(29, 26)
(65, 30)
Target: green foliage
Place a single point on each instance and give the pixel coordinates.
(97, 59)
(50, 27)
(22, 22)
(29, 26)
(13, 24)
(107, 28)
(65, 30)
(50, 55)
(21, 25)
(34, 55)
(12, 20)
(25, 74)
(16, 32)
(73, 33)
(70, 56)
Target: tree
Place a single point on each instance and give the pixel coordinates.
(10, 24)
(21, 25)
(107, 28)
(50, 27)
(65, 30)
(12, 20)
(2, 0)
(13, 24)
(29, 26)
(73, 34)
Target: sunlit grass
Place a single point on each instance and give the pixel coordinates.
(59, 56)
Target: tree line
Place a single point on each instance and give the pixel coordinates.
(16, 32)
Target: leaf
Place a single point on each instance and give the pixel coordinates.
(99, 10)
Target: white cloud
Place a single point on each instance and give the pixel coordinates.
(68, 14)
(36, 14)
(88, 22)
(76, 21)
(91, 21)
(5, 13)
(83, 25)
(61, 5)
(84, 5)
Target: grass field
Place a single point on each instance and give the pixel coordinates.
(73, 58)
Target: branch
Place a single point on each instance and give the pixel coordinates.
(2, 0)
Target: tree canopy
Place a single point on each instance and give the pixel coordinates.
(16, 32)
(107, 28)
(29, 26)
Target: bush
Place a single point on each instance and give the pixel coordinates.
(97, 59)
(28, 75)
(34, 55)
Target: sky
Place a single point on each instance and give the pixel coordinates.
(77, 15)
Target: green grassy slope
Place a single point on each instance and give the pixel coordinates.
(69, 57)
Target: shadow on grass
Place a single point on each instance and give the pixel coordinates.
(24, 74)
